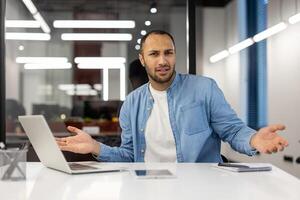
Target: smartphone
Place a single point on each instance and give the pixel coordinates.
(154, 173)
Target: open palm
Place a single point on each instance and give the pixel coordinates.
(266, 140)
(80, 143)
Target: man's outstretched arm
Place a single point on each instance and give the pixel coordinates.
(242, 138)
(81, 142)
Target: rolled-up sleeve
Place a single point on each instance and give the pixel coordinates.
(124, 153)
(227, 125)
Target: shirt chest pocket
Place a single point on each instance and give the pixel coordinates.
(193, 118)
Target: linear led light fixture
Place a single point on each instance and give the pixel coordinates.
(27, 36)
(105, 85)
(269, 32)
(100, 60)
(22, 24)
(258, 37)
(66, 87)
(42, 22)
(36, 15)
(30, 6)
(41, 60)
(93, 92)
(240, 46)
(97, 86)
(48, 66)
(94, 24)
(294, 19)
(100, 66)
(96, 36)
(82, 93)
(219, 56)
(83, 87)
(78, 89)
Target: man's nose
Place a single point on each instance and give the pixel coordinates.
(162, 60)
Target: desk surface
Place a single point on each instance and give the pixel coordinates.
(194, 181)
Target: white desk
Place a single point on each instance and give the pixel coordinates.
(194, 181)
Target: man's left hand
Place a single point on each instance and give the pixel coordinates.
(266, 140)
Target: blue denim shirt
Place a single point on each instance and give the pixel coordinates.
(199, 116)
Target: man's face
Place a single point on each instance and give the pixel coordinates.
(158, 57)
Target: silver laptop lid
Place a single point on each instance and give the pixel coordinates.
(44, 142)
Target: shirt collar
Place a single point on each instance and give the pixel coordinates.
(174, 82)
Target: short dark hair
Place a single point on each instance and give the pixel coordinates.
(155, 32)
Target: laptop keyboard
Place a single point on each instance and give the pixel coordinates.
(76, 166)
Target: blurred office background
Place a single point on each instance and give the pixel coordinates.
(62, 70)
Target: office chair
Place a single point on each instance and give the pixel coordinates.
(225, 160)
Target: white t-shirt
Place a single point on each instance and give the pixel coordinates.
(160, 142)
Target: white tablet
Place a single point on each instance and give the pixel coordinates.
(153, 173)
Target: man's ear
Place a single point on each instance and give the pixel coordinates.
(142, 60)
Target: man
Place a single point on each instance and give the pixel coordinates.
(175, 117)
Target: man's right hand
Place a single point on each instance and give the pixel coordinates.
(81, 142)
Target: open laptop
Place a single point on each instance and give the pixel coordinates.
(48, 151)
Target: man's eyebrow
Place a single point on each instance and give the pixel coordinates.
(153, 50)
(169, 50)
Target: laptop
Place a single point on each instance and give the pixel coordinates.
(48, 151)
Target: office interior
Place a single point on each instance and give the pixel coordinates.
(90, 96)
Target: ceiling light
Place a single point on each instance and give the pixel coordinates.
(96, 36)
(269, 32)
(219, 56)
(153, 7)
(83, 87)
(63, 116)
(242, 45)
(48, 66)
(137, 47)
(27, 36)
(72, 87)
(52, 60)
(97, 87)
(94, 24)
(100, 66)
(30, 6)
(22, 24)
(294, 19)
(70, 92)
(143, 32)
(21, 47)
(66, 87)
(147, 23)
(42, 22)
(138, 41)
(82, 93)
(100, 60)
(93, 92)
(153, 10)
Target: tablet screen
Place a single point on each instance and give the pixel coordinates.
(153, 173)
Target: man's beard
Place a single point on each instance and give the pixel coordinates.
(157, 79)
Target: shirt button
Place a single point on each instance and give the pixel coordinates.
(142, 150)
(142, 130)
(148, 108)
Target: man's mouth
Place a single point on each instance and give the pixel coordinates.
(162, 70)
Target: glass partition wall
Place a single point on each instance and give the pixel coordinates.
(70, 60)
